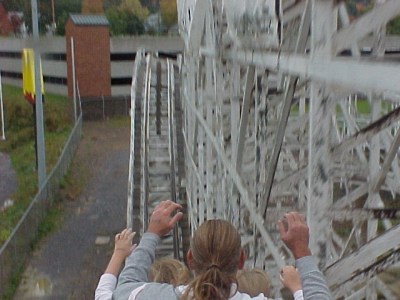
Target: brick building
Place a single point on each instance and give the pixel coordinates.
(91, 39)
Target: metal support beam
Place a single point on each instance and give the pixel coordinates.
(41, 156)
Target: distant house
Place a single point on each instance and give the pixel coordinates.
(11, 23)
(6, 28)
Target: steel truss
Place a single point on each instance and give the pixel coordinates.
(284, 111)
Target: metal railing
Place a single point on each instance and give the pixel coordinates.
(102, 108)
(18, 246)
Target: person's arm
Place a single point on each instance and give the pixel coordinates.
(313, 281)
(290, 278)
(294, 233)
(123, 247)
(161, 222)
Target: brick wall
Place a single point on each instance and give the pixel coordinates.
(92, 59)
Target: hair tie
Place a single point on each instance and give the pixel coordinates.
(213, 266)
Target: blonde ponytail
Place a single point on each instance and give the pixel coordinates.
(216, 251)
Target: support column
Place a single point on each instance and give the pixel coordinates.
(41, 158)
(319, 157)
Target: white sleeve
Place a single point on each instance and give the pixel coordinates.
(298, 295)
(105, 287)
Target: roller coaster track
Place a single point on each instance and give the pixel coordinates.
(156, 170)
(282, 109)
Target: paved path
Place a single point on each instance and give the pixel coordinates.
(71, 260)
(8, 178)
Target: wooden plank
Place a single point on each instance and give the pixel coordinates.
(350, 74)
(197, 25)
(366, 133)
(364, 258)
(364, 25)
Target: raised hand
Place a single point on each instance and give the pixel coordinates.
(290, 278)
(164, 217)
(123, 243)
(295, 234)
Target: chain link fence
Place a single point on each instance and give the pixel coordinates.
(102, 108)
(17, 248)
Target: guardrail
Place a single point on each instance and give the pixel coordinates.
(17, 248)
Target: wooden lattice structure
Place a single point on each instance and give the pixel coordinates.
(290, 106)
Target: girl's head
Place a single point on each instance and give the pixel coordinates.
(215, 255)
(169, 270)
(253, 282)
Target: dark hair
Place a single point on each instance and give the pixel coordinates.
(216, 251)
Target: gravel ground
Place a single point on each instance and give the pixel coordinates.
(69, 262)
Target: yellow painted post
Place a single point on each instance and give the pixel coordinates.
(28, 75)
(29, 91)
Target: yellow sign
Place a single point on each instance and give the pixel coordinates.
(28, 75)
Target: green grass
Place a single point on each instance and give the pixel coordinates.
(363, 107)
(20, 145)
(118, 121)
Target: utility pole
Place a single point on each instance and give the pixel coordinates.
(41, 163)
(53, 24)
(3, 136)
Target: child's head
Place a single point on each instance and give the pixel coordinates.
(169, 270)
(253, 282)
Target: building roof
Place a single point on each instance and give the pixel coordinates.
(89, 20)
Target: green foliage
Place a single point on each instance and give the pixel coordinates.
(168, 12)
(62, 19)
(124, 22)
(20, 145)
(394, 26)
(63, 8)
(117, 24)
(111, 3)
(50, 223)
(135, 8)
(12, 287)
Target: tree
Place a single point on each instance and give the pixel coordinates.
(168, 12)
(63, 9)
(92, 7)
(124, 22)
(394, 26)
(117, 24)
(134, 7)
(111, 4)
